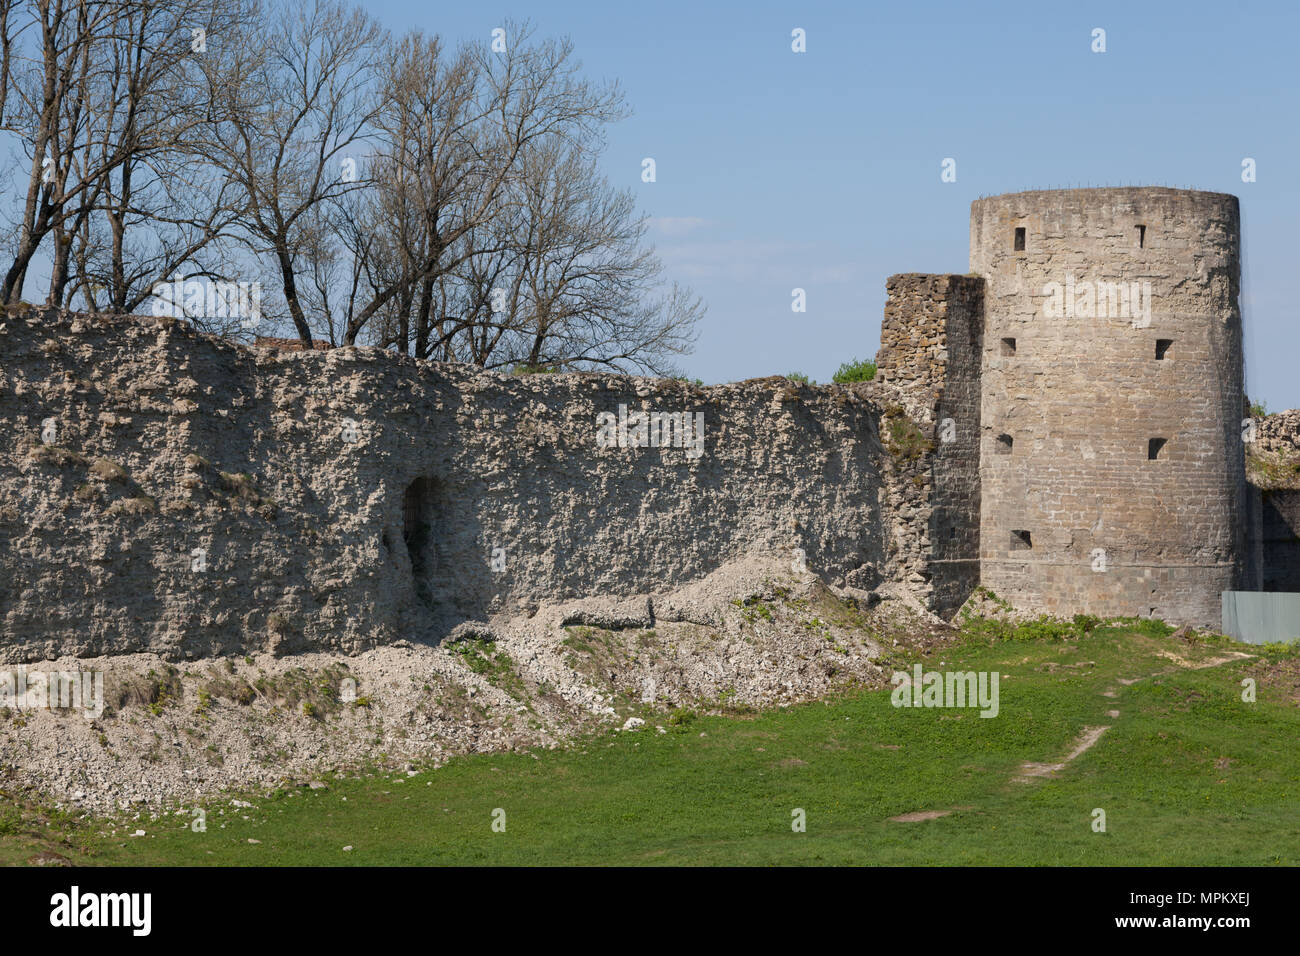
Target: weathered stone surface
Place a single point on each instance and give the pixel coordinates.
(1080, 398)
(182, 495)
(1273, 465)
(929, 367)
(195, 497)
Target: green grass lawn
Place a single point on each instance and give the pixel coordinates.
(1187, 774)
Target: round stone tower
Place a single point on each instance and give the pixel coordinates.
(1112, 474)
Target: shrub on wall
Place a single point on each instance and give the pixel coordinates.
(855, 371)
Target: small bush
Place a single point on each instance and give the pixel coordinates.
(59, 457)
(681, 718)
(855, 371)
(1086, 623)
(238, 483)
(1146, 626)
(491, 663)
(153, 691)
(109, 471)
(753, 608)
(991, 630)
(139, 505)
(799, 377)
(11, 821)
(903, 437)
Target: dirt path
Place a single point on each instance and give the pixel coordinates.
(1088, 737)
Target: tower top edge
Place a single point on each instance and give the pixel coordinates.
(1101, 192)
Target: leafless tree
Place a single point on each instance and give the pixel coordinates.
(165, 203)
(442, 202)
(294, 114)
(454, 130)
(99, 96)
(591, 290)
(52, 101)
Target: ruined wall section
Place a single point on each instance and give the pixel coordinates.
(1273, 467)
(173, 492)
(928, 376)
(1280, 536)
(1273, 454)
(1111, 453)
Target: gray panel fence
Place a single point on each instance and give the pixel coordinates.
(1261, 617)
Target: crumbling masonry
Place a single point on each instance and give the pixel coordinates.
(1091, 365)
(1064, 425)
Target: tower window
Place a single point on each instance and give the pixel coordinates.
(1019, 243)
(1142, 236)
(1154, 448)
(1162, 347)
(1008, 346)
(1020, 541)
(1004, 443)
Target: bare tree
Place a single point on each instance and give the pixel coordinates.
(12, 26)
(454, 131)
(99, 97)
(444, 203)
(165, 202)
(590, 280)
(295, 111)
(51, 107)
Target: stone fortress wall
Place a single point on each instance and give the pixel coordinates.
(929, 364)
(1273, 468)
(174, 492)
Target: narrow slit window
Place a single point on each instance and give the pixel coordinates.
(1155, 448)
(1008, 346)
(1142, 237)
(1019, 242)
(1020, 541)
(1162, 347)
(1004, 444)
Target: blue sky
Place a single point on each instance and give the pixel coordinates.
(821, 170)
